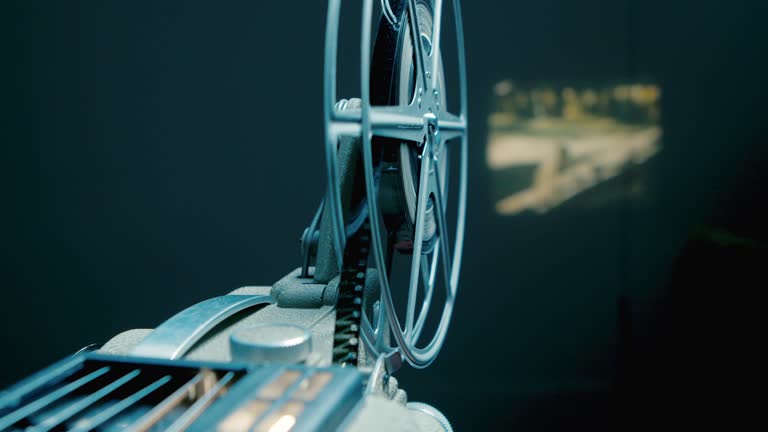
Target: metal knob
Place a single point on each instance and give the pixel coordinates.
(271, 343)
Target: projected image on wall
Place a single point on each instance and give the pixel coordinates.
(551, 144)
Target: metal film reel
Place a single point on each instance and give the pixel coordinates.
(423, 127)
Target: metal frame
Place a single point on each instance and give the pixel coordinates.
(421, 121)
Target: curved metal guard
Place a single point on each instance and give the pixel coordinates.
(173, 338)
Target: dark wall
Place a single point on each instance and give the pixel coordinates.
(158, 153)
(155, 154)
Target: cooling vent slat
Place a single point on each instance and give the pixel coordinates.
(198, 407)
(106, 414)
(75, 408)
(164, 407)
(50, 398)
(50, 376)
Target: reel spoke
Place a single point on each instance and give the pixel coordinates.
(334, 200)
(442, 229)
(397, 122)
(382, 327)
(374, 334)
(418, 50)
(451, 126)
(435, 49)
(346, 128)
(428, 281)
(418, 241)
(369, 333)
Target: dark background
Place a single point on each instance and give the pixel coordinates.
(154, 154)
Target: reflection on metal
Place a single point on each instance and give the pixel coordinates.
(549, 144)
(173, 401)
(197, 408)
(48, 399)
(175, 337)
(271, 343)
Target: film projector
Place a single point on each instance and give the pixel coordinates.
(319, 349)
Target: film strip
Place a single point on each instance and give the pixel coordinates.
(349, 303)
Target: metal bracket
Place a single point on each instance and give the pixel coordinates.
(173, 338)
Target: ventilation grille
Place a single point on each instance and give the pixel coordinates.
(105, 393)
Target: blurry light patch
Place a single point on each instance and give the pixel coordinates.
(243, 418)
(282, 420)
(283, 424)
(549, 144)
